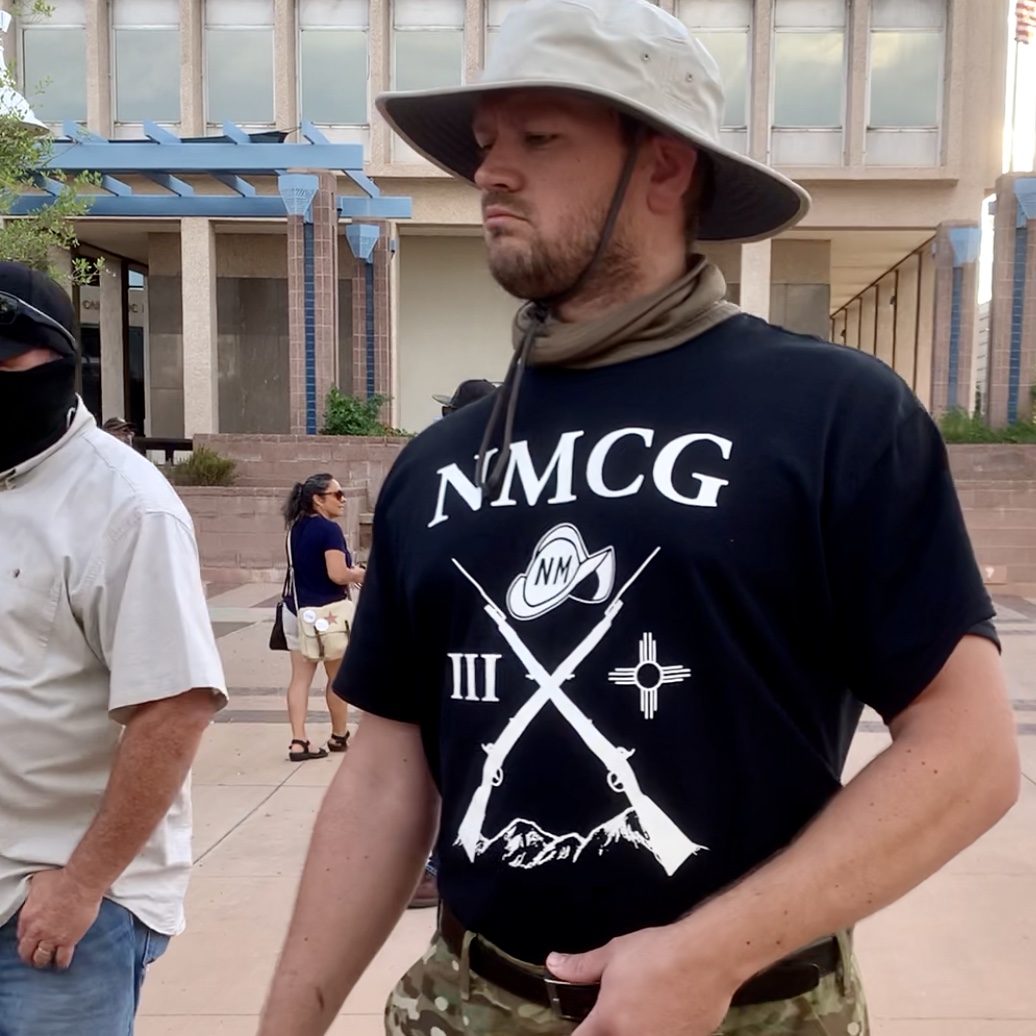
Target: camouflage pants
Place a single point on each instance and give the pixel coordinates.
(439, 997)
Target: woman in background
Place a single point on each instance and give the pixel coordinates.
(322, 573)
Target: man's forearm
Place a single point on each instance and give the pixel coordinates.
(369, 845)
(940, 786)
(152, 762)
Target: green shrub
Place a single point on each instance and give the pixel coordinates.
(958, 426)
(204, 467)
(349, 415)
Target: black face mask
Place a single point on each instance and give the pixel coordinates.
(34, 409)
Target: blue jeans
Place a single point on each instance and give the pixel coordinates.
(96, 996)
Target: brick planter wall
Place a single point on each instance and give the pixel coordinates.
(282, 460)
(241, 532)
(997, 488)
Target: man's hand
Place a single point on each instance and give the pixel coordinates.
(653, 983)
(56, 915)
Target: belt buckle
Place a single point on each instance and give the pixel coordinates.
(566, 1007)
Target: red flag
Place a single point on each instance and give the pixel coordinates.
(1026, 15)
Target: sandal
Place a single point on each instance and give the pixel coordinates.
(306, 753)
(338, 742)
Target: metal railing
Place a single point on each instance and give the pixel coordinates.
(874, 287)
(169, 447)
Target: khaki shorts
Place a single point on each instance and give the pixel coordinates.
(291, 630)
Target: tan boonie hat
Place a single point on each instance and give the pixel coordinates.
(636, 58)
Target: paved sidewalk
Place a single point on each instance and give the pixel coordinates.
(957, 957)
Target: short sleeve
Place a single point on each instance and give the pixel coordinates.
(903, 576)
(376, 674)
(144, 612)
(331, 536)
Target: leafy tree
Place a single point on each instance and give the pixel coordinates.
(25, 151)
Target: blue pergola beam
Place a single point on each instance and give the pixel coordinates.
(375, 208)
(159, 134)
(157, 206)
(116, 187)
(236, 159)
(171, 183)
(312, 134)
(364, 182)
(358, 177)
(235, 133)
(243, 187)
(74, 131)
(227, 160)
(45, 183)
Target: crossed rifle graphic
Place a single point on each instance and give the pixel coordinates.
(669, 844)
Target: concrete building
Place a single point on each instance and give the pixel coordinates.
(890, 112)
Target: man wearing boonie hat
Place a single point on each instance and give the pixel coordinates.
(109, 675)
(617, 661)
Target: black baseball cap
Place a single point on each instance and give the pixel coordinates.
(35, 312)
(467, 392)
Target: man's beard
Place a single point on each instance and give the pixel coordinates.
(529, 269)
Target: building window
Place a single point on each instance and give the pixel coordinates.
(724, 28)
(146, 60)
(239, 61)
(809, 82)
(908, 41)
(54, 62)
(333, 62)
(809, 63)
(428, 44)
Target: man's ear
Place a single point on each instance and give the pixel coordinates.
(673, 163)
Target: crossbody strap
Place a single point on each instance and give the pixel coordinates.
(290, 574)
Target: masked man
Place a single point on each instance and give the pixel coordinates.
(109, 674)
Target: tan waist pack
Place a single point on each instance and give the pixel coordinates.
(324, 631)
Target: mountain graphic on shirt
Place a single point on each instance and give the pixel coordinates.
(523, 844)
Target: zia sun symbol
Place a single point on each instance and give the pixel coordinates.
(647, 675)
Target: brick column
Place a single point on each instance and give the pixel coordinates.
(325, 251)
(310, 379)
(925, 326)
(1012, 338)
(955, 254)
(371, 280)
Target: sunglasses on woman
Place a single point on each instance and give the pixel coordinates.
(338, 494)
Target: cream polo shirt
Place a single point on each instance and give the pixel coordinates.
(101, 609)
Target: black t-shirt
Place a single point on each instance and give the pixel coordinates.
(699, 566)
(311, 537)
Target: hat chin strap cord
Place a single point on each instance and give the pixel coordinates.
(506, 403)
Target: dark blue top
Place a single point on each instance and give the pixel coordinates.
(310, 538)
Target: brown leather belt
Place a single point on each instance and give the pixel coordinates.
(793, 976)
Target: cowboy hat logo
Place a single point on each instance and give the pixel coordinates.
(560, 565)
